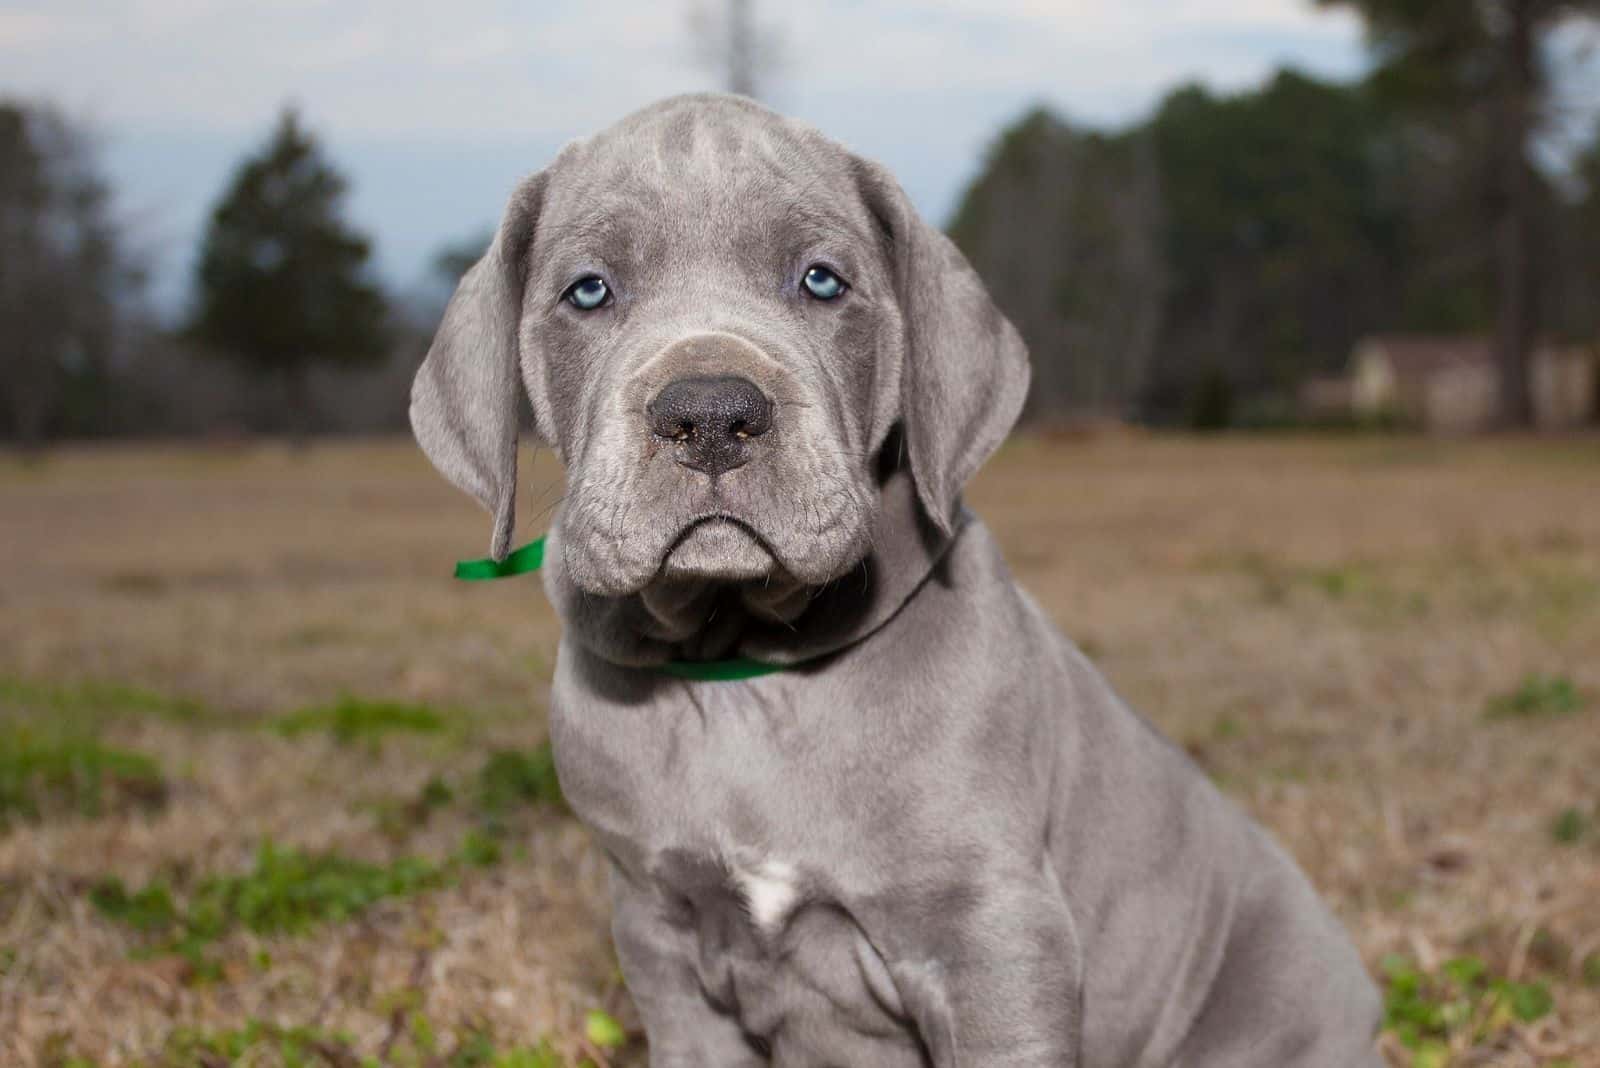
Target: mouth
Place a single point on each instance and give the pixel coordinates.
(718, 548)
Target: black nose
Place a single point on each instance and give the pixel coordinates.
(711, 418)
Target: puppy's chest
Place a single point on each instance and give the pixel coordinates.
(735, 809)
(792, 965)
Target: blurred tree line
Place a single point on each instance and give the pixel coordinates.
(1193, 268)
(288, 331)
(1198, 266)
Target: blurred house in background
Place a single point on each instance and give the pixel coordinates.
(1566, 387)
(1451, 385)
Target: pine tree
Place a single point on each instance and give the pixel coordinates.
(282, 280)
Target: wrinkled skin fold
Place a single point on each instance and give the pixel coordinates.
(940, 839)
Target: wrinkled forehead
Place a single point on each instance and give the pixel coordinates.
(706, 175)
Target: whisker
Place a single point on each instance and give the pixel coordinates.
(547, 509)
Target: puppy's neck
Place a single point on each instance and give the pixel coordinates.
(777, 621)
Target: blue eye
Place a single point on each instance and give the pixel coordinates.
(823, 283)
(587, 294)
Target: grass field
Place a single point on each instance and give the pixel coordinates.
(273, 789)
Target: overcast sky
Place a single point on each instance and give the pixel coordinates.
(434, 109)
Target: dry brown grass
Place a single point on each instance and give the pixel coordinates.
(1322, 622)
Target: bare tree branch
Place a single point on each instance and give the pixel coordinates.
(729, 42)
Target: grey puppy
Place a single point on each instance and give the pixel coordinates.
(938, 838)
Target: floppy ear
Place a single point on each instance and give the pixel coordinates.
(965, 373)
(464, 406)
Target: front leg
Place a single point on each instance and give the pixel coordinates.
(991, 973)
(658, 961)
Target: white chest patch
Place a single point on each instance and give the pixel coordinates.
(770, 891)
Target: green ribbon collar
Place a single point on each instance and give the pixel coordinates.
(531, 557)
(528, 558)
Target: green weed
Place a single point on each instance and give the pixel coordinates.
(1569, 826)
(41, 776)
(508, 780)
(95, 699)
(1226, 727)
(399, 818)
(1336, 582)
(480, 849)
(287, 892)
(435, 793)
(1462, 1000)
(149, 910)
(1537, 697)
(603, 1030)
(512, 777)
(256, 1042)
(351, 719)
(261, 1043)
(56, 1051)
(1591, 970)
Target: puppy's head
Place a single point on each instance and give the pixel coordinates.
(720, 317)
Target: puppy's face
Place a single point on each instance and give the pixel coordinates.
(719, 317)
(718, 349)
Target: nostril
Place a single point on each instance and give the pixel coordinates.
(754, 420)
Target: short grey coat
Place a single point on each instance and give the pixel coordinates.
(939, 839)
